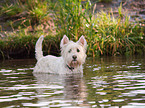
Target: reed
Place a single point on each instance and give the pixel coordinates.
(108, 35)
(70, 17)
(105, 33)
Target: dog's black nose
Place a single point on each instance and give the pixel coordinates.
(74, 57)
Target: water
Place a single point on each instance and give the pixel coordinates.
(108, 82)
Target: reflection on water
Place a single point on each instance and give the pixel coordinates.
(107, 82)
(60, 90)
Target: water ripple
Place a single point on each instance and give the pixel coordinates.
(107, 82)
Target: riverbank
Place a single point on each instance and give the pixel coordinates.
(107, 33)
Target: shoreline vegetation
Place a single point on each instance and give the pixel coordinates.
(106, 34)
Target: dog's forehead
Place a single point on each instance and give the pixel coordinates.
(73, 45)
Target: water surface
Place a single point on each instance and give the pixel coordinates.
(107, 82)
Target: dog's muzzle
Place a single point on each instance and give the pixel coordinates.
(74, 57)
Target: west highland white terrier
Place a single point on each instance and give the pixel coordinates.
(73, 55)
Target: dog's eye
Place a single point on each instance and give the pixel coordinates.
(78, 50)
(69, 51)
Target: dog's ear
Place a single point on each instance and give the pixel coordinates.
(64, 41)
(83, 41)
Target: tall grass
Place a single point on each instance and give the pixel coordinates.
(70, 17)
(111, 36)
(26, 13)
(105, 33)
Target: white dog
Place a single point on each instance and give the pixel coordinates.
(73, 56)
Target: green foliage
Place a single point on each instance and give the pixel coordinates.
(10, 10)
(120, 10)
(71, 16)
(105, 34)
(38, 12)
(27, 13)
(111, 36)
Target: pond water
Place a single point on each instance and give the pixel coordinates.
(108, 82)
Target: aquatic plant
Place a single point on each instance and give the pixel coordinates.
(105, 33)
(69, 18)
(108, 35)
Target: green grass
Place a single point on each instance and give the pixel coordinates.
(71, 16)
(110, 36)
(105, 34)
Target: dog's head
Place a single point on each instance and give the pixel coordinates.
(73, 53)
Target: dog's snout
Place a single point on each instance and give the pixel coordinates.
(74, 57)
